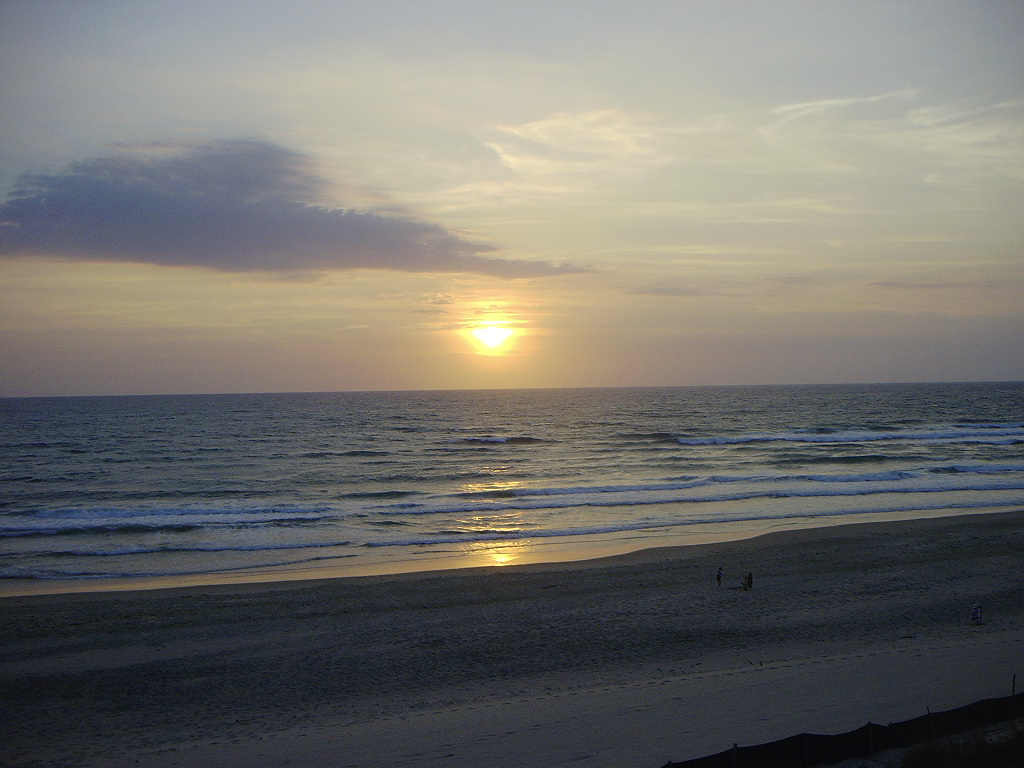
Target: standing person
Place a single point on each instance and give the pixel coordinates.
(748, 582)
(718, 577)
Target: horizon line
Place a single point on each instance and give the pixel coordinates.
(517, 389)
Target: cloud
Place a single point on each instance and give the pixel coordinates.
(671, 290)
(924, 286)
(794, 111)
(898, 135)
(236, 206)
(573, 143)
(765, 285)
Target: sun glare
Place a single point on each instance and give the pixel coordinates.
(492, 335)
(492, 338)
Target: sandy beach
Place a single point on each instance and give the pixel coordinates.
(632, 660)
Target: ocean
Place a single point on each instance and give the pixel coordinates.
(103, 487)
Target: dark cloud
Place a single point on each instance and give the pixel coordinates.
(231, 205)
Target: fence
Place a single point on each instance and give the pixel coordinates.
(809, 749)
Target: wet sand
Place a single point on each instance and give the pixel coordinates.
(625, 661)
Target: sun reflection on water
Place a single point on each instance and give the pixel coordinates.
(503, 552)
(493, 486)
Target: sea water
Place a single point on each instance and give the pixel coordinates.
(95, 487)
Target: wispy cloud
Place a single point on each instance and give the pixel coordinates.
(929, 286)
(803, 109)
(573, 142)
(675, 290)
(764, 285)
(231, 205)
(900, 131)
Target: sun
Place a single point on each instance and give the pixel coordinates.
(492, 336)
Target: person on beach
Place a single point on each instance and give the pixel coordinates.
(718, 577)
(748, 581)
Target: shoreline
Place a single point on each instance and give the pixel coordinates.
(492, 554)
(630, 660)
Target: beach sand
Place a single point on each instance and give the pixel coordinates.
(632, 660)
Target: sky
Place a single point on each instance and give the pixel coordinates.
(268, 196)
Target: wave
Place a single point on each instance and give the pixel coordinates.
(648, 524)
(449, 536)
(129, 521)
(124, 551)
(694, 481)
(95, 513)
(378, 494)
(652, 438)
(142, 529)
(523, 440)
(636, 496)
(693, 490)
(92, 530)
(383, 467)
(791, 459)
(992, 434)
(334, 454)
(506, 493)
